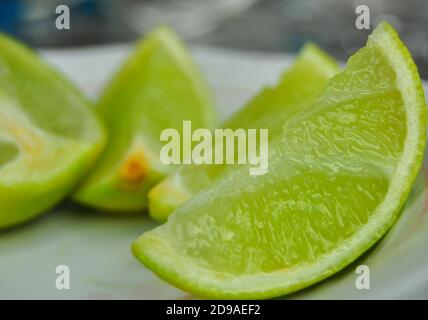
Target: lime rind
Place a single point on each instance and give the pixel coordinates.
(155, 248)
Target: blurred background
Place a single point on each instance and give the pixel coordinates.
(262, 25)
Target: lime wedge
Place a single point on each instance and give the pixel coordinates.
(158, 88)
(338, 176)
(297, 89)
(48, 134)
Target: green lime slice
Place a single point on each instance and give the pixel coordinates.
(158, 88)
(49, 136)
(297, 89)
(338, 176)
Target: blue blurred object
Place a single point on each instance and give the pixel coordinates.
(11, 15)
(106, 21)
(33, 22)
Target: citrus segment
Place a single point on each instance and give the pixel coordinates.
(270, 109)
(49, 136)
(339, 174)
(158, 88)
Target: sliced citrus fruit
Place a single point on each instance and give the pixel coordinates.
(338, 176)
(49, 136)
(158, 88)
(270, 109)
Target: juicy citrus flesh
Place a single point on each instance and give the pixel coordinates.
(48, 135)
(297, 89)
(338, 177)
(158, 88)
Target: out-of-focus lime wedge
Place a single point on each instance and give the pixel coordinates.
(49, 136)
(158, 88)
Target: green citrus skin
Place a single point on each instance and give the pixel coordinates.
(158, 87)
(339, 174)
(49, 136)
(297, 89)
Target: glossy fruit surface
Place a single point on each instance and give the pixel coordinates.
(49, 136)
(338, 177)
(297, 89)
